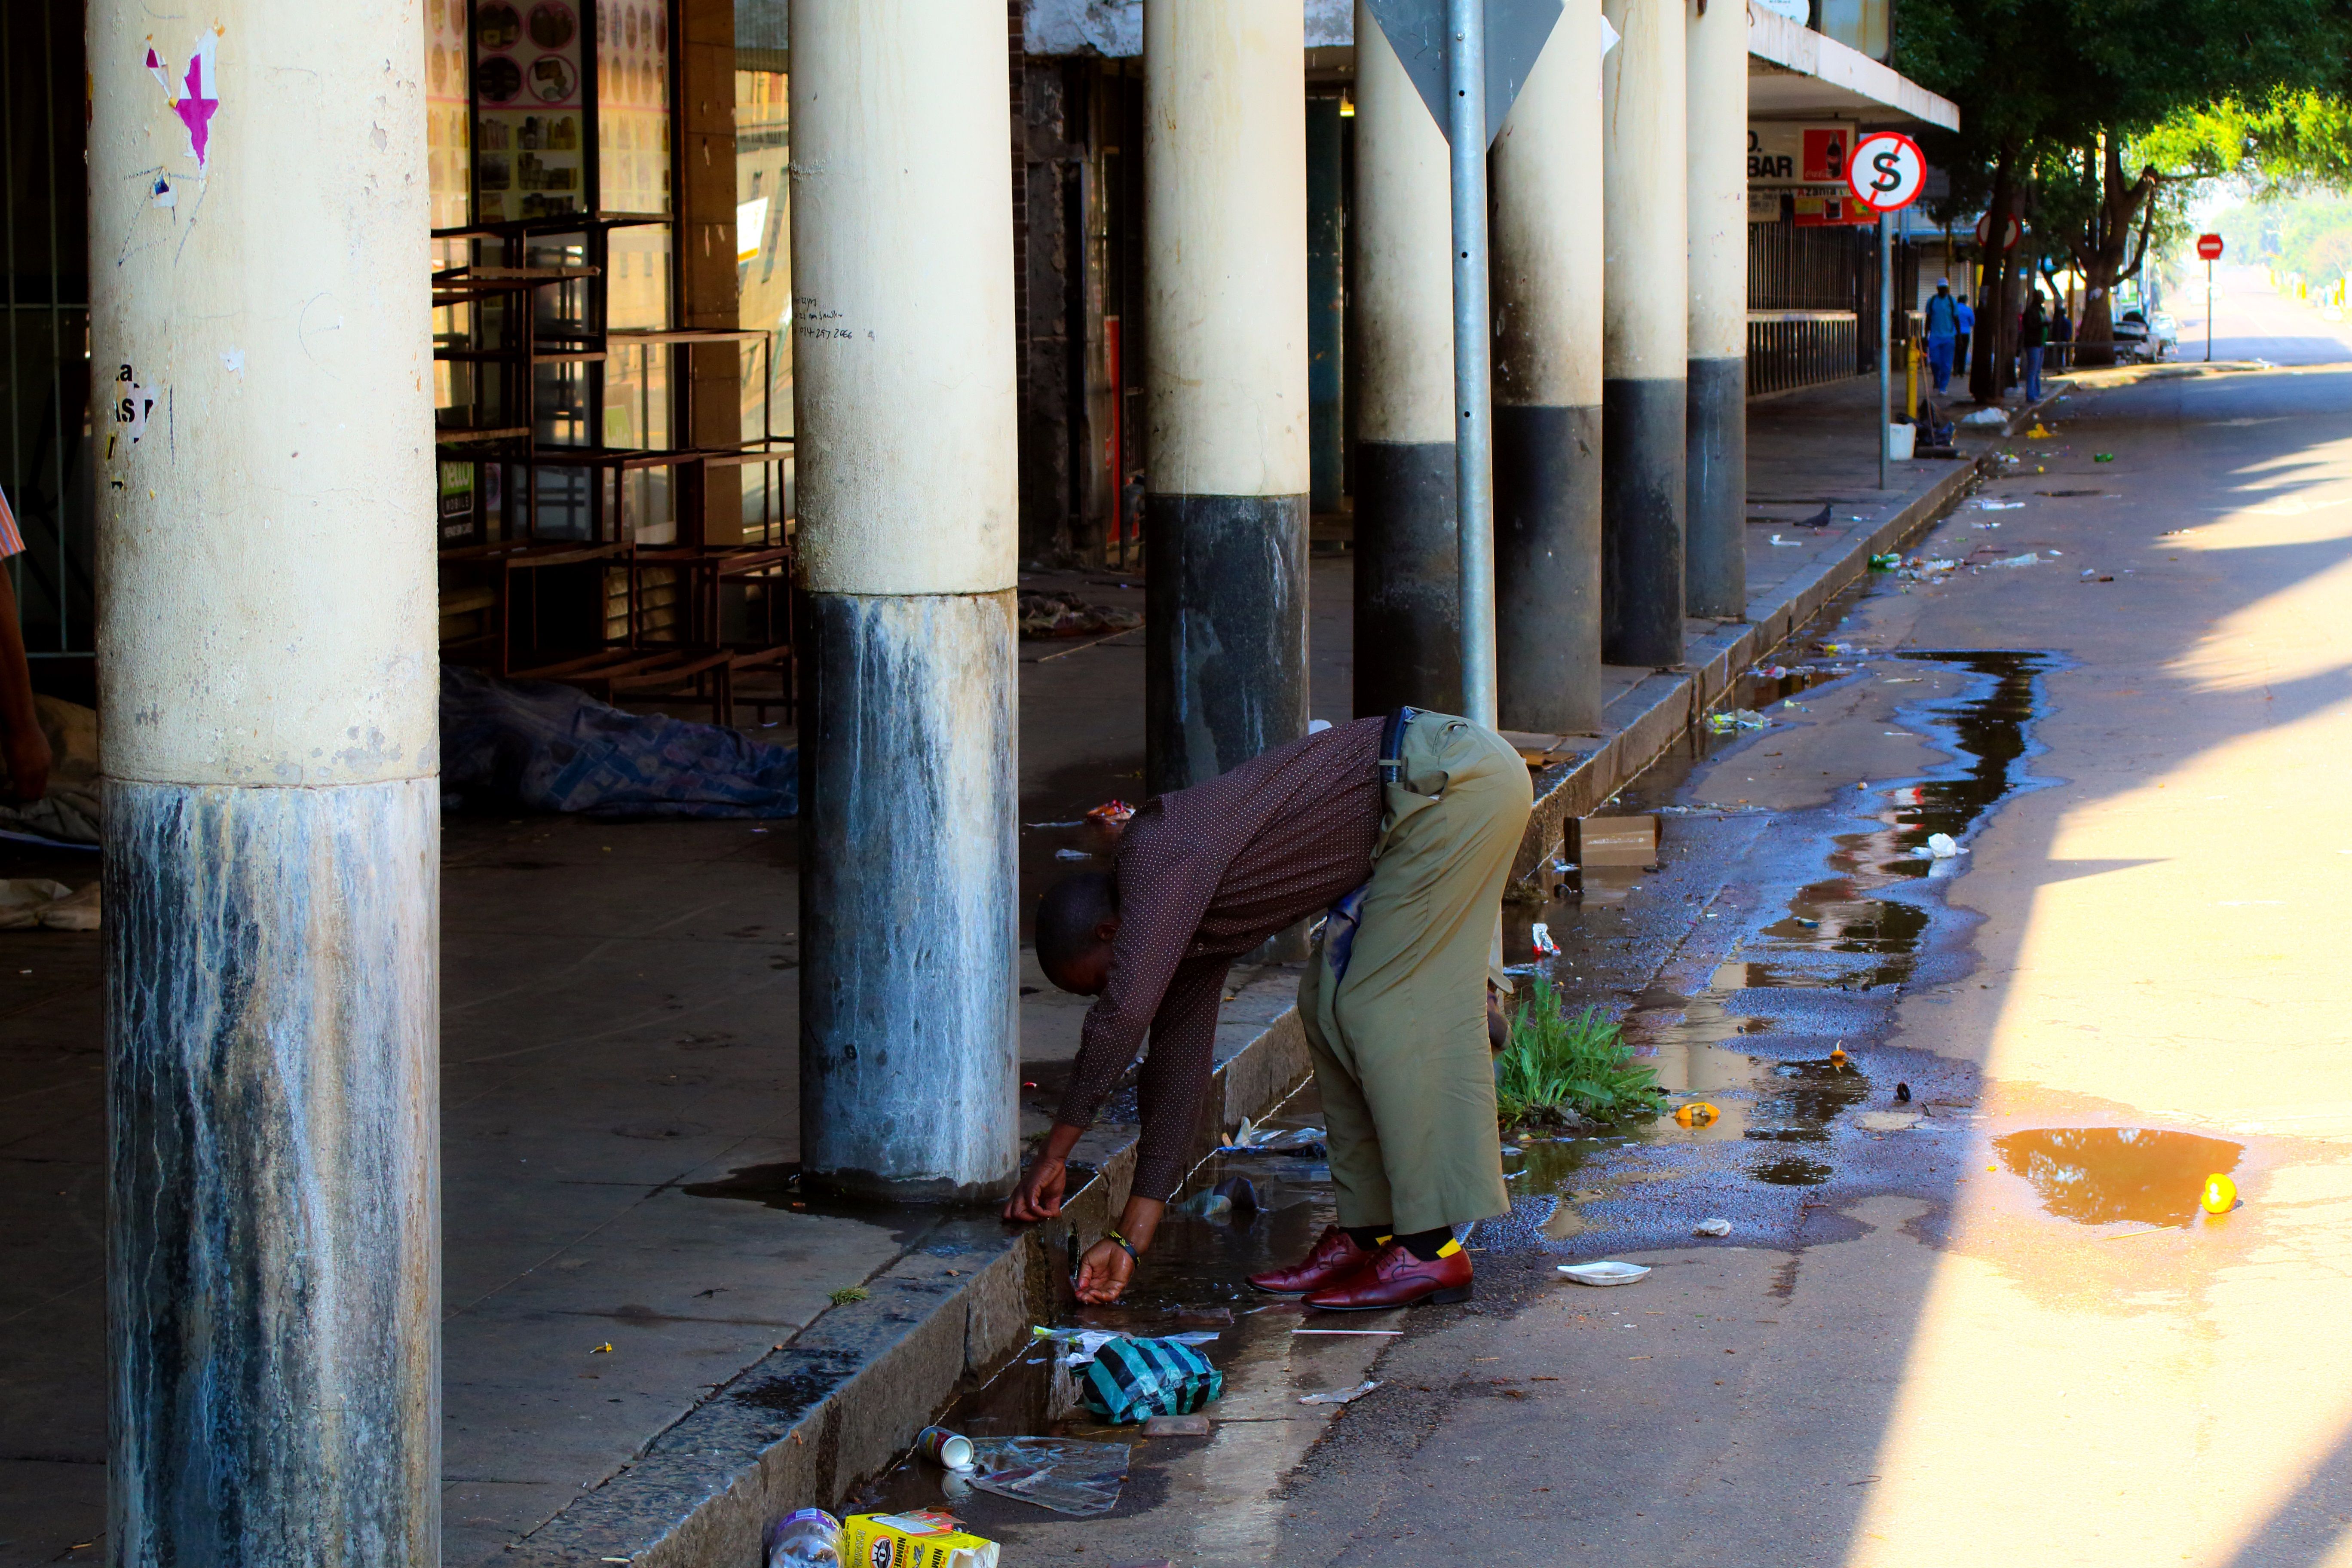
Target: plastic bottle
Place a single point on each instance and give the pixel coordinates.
(808, 1538)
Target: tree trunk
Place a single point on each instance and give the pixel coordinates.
(1988, 356)
(2104, 252)
(1993, 342)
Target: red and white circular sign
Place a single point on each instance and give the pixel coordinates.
(2209, 247)
(1886, 171)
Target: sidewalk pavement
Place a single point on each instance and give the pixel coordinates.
(652, 1344)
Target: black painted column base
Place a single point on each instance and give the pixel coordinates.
(1225, 632)
(1408, 610)
(1716, 445)
(1641, 502)
(273, 1152)
(1547, 568)
(909, 890)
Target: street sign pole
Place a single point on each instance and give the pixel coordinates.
(1465, 123)
(1885, 330)
(2209, 312)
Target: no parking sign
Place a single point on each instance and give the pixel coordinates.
(1887, 171)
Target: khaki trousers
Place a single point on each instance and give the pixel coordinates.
(1399, 1041)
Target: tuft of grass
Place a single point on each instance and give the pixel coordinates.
(848, 1293)
(1558, 1070)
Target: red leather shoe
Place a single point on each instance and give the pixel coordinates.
(1398, 1279)
(1334, 1257)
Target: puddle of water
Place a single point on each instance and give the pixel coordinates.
(2116, 1176)
(1859, 929)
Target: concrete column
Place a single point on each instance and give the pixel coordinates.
(267, 676)
(1715, 574)
(905, 397)
(1326, 288)
(1224, 150)
(1643, 334)
(1408, 624)
(1548, 386)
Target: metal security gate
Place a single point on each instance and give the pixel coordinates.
(45, 464)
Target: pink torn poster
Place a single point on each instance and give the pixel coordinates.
(195, 106)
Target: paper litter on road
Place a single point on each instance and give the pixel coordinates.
(1340, 1395)
(2028, 559)
(1712, 1227)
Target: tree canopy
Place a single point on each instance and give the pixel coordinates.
(2080, 116)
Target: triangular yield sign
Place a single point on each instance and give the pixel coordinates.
(1515, 33)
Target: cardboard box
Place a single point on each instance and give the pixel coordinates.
(921, 1538)
(1613, 841)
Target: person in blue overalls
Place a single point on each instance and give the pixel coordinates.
(1943, 333)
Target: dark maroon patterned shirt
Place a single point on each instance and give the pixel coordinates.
(1206, 874)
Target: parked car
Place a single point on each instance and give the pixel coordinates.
(2138, 337)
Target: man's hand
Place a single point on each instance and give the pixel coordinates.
(26, 750)
(1104, 1272)
(1039, 1196)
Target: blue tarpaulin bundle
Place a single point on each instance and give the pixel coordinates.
(1129, 1379)
(547, 747)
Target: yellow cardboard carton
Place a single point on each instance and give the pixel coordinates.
(923, 1538)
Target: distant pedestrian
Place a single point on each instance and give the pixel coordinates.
(1967, 329)
(2032, 333)
(2062, 332)
(1943, 333)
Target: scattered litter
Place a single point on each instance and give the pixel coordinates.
(1848, 649)
(1788, 544)
(1249, 1140)
(1111, 814)
(1340, 1395)
(931, 1536)
(1737, 718)
(1066, 615)
(605, 1349)
(1985, 416)
(23, 901)
(806, 1538)
(1072, 855)
(1177, 1426)
(1886, 563)
(1808, 924)
(2038, 432)
(1084, 1342)
(1242, 1193)
(1987, 503)
(1540, 935)
(1604, 1273)
(1206, 1205)
(949, 1450)
(1902, 1093)
(2220, 1195)
(1939, 847)
(2028, 559)
(1132, 1378)
(1712, 1227)
(1695, 1113)
(2102, 457)
(1837, 1056)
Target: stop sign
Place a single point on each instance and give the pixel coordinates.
(2209, 247)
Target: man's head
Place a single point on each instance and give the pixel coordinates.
(1075, 921)
(1943, 286)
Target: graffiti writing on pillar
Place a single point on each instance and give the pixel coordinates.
(133, 403)
(805, 313)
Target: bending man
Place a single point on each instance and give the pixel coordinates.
(1404, 828)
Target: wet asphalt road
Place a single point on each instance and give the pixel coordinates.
(1986, 1322)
